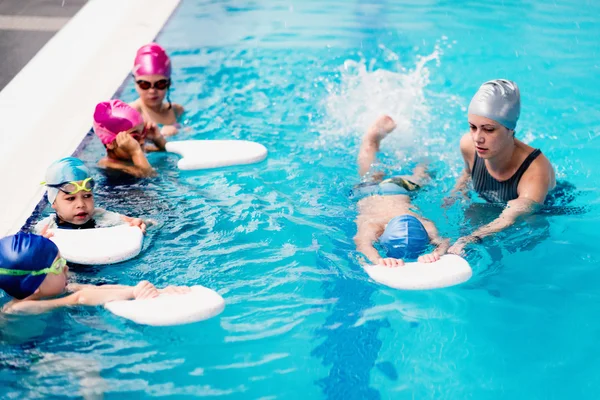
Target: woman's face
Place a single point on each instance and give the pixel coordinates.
(152, 89)
(489, 137)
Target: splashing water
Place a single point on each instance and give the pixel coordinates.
(365, 93)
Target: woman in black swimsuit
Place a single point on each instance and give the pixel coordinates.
(503, 169)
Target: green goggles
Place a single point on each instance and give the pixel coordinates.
(87, 185)
(56, 268)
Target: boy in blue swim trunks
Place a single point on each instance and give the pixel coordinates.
(33, 273)
(70, 192)
(387, 215)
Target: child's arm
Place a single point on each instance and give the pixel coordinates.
(441, 244)
(127, 168)
(366, 235)
(42, 227)
(87, 295)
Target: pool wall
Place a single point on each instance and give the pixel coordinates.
(46, 110)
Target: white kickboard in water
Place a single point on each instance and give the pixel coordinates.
(206, 154)
(450, 270)
(171, 309)
(99, 246)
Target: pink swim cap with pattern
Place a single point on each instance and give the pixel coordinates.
(112, 117)
(152, 59)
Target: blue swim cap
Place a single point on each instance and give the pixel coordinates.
(25, 252)
(68, 169)
(404, 237)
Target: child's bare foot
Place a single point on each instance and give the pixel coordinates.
(381, 128)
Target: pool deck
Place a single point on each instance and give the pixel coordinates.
(46, 108)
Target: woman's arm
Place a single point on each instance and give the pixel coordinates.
(533, 189)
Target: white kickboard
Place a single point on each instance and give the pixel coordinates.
(206, 154)
(171, 309)
(99, 246)
(450, 270)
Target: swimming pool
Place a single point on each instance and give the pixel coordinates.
(302, 319)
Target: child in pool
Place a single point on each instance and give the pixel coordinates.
(70, 192)
(34, 274)
(123, 132)
(388, 216)
(152, 73)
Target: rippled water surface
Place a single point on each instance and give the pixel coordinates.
(302, 320)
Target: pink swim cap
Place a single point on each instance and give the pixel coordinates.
(112, 117)
(152, 59)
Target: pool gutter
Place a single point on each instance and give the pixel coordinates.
(46, 110)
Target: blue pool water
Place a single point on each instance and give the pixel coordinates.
(302, 320)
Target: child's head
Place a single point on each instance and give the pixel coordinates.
(113, 117)
(404, 237)
(69, 186)
(31, 264)
(152, 72)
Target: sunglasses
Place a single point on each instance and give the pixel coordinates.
(87, 185)
(160, 85)
(56, 268)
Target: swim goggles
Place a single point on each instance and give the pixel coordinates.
(160, 85)
(56, 268)
(73, 187)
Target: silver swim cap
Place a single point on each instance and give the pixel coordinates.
(499, 100)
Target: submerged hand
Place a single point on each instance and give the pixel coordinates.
(458, 247)
(390, 262)
(449, 201)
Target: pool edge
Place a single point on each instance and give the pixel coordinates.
(53, 96)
